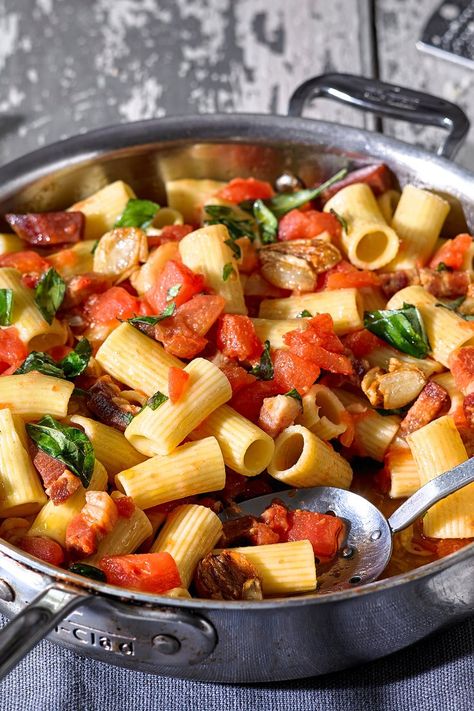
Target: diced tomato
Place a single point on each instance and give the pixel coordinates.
(249, 400)
(237, 376)
(324, 532)
(320, 345)
(179, 278)
(183, 334)
(361, 343)
(169, 233)
(115, 303)
(378, 177)
(291, 371)
(236, 338)
(305, 225)
(352, 280)
(125, 506)
(59, 352)
(12, 349)
(461, 362)
(452, 252)
(26, 262)
(178, 382)
(321, 330)
(342, 267)
(276, 516)
(44, 548)
(145, 572)
(240, 189)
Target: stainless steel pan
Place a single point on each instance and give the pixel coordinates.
(236, 641)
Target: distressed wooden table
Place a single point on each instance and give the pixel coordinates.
(68, 66)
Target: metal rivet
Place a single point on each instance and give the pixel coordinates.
(375, 535)
(347, 552)
(166, 644)
(6, 591)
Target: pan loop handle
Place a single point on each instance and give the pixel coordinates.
(389, 101)
(33, 623)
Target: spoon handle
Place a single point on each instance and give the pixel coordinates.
(436, 489)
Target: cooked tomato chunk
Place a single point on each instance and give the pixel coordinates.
(461, 362)
(176, 283)
(237, 376)
(12, 349)
(361, 343)
(352, 280)
(46, 228)
(293, 372)
(249, 400)
(304, 225)
(178, 381)
(320, 345)
(183, 333)
(240, 189)
(452, 252)
(115, 303)
(169, 233)
(42, 547)
(145, 572)
(236, 338)
(27, 262)
(324, 532)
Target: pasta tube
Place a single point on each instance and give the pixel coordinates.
(418, 220)
(190, 533)
(387, 203)
(10, 243)
(21, 493)
(159, 431)
(323, 413)
(34, 331)
(302, 459)
(32, 394)
(344, 305)
(126, 536)
(404, 476)
(187, 196)
(283, 568)
(381, 357)
(205, 251)
(246, 448)
(273, 331)
(193, 468)
(373, 432)
(52, 521)
(110, 446)
(103, 208)
(446, 330)
(136, 360)
(436, 448)
(75, 260)
(368, 241)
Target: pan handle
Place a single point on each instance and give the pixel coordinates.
(33, 623)
(388, 100)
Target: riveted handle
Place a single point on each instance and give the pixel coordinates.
(387, 100)
(33, 623)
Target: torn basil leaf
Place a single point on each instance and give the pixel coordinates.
(227, 271)
(49, 294)
(43, 363)
(6, 307)
(342, 221)
(401, 328)
(264, 369)
(66, 444)
(223, 215)
(285, 202)
(137, 213)
(442, 267)
(294, 394)
(88, 571)
(173, 292)
(304, 314)
(94, 246)
(153, 320)
(77, 360)
(156, 400)
(266, 221)
(234, 247)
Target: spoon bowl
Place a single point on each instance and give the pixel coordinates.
(367, 546)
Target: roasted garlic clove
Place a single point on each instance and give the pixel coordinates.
(227, 576)
(119, 250)
(297, 263)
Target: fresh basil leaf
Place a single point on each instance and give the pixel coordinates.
(66, 444)
(77, 360)
(43, 363)
(451, 305)
(442, 267)
(294, 394)
(94, 246)
(284, 202)
(88, 571)
(264, 369)
(173, 292)
(153, 320)
(401, 328)
(227, 271)
(342, 221)
(49, 294)
(267, 222)
(6, 307)
(304, 314)
(234, 247)
(223, 215)
(137, 213)
(156, 400)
